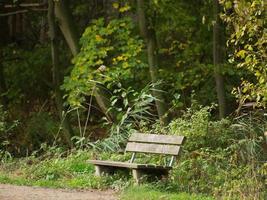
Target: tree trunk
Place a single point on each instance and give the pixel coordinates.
(149, 36)
(3, 88)
(4, 33)
(55, 72)
(68, 29)
(218, 60)
(42, 30)
(11, 26)
(67, 26)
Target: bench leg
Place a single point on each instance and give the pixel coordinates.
(100, 170)
(137, 175)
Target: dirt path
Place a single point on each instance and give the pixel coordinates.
(12, 192)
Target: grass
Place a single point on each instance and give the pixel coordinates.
(57, 172)
(148, 192)
(77, 182)
(74, 172)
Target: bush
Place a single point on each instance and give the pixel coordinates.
(200, 130)
(131, 109)
(41, 128)
(6, 134)
(224, 158)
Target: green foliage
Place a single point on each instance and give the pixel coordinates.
(213, 170)
(200, 130)
(58, 167)
(54, 169)
(241, 183)
(225, 158)
(247, 25)
(131, 109)
(29, 95)
(41, 128)
(108, 52)
(222, 158)
(6, 133)
(181, 35)
(148, 192)
(34, 73)
(249, 129)
(214, 173)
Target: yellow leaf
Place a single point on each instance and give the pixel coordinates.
(261, 80)
(119, 58)
(241, 53)
(115, 5)
(98, 38)
(125, 65)
(125, 8)
(99, 62)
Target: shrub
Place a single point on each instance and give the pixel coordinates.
(131, 109)
(6, 134)
(41, 128)
(200, 130)
(224, 158)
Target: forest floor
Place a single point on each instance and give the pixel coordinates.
(13, 192)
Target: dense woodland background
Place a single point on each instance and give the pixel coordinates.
(86, 74)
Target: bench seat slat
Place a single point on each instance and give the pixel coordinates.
(127, 165)
(157, 139)
(153, 148)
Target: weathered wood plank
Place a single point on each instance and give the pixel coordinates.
(159, 139)
(127, 165)
(153, 148)
(113, 163)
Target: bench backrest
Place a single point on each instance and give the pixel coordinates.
(154, 143)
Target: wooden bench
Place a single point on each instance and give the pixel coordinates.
(144, 143)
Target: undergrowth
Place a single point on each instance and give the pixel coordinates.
(224, 159)
(59, 171)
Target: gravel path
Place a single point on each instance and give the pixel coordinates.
(13, 192)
